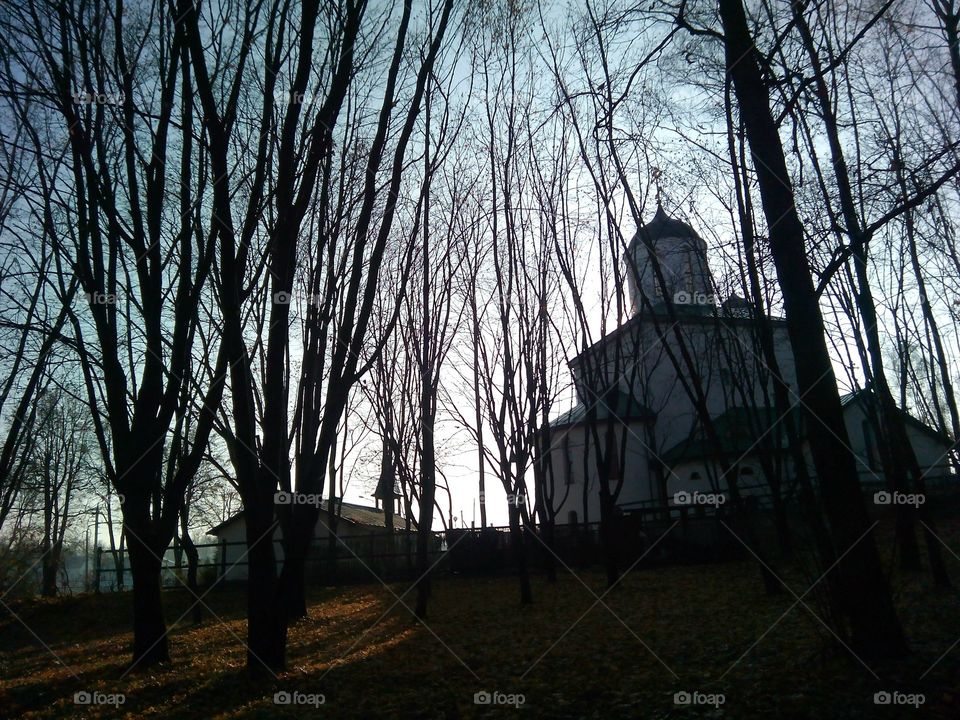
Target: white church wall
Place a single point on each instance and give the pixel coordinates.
(638, 486)
(644, 360)
(703, 476)
(722, 357)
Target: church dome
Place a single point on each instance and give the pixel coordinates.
(681, 255)
(664, 226)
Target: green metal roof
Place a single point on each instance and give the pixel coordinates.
(616, 405)
(740, 430)
(743, 430)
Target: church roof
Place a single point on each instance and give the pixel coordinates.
(660, 315)
(740, 431)
(866, 398)
(618, 406)
(386, 485)
(662, 226)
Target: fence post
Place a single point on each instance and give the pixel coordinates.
(122, 579)
(96, 571)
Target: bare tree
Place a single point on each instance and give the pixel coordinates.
(306, 180)
(866, 601)
(33, 317)
(108, 85)
(60, 469)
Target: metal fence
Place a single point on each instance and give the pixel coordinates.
(360, 558)
(680, 533)
(350, 558)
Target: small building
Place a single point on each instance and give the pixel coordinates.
(361, 532)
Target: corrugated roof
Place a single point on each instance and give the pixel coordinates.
(363, 514)
(713, 316)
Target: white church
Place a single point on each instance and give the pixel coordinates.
(639, 382)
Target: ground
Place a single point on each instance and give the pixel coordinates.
(699, 628)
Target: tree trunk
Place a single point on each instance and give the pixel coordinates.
(896, 451)
(868, 607)
(746, 528)
(547, 535)
(193, 561)
(895, 472)
(333, 544)
(293, 587)
(607, 534)
(149, 626)
(51, 564)
(934, 553)
(517, 540)
(118, 560)
(266, 620)
(609, 465)
(478, 409)
(425, 525)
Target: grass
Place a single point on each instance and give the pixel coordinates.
(688, 628)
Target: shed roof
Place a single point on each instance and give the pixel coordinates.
(350, 512)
